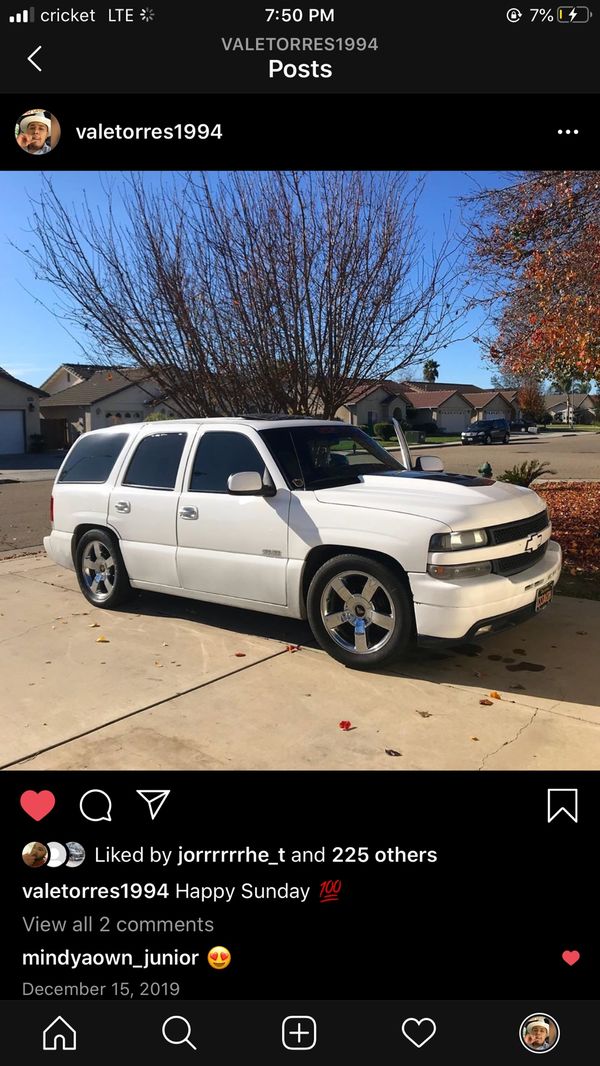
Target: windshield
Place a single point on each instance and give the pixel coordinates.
(317, 456)
(480, 425)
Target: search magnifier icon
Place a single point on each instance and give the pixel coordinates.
(178, 1039)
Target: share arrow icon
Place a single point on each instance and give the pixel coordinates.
(154, 797)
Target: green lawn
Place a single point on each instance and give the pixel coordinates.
(560, 428)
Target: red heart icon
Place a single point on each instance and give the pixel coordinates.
(571, 957)
(224, 956)
(37, 804)
(214, 955)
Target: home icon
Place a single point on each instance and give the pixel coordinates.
(59, 1036)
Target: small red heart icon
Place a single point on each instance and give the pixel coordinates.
(224, 956)
(571, 957)
(214, 955)
(37, 804)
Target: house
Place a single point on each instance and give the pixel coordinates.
(450, 409)
(19, 414)
(374, 402)
(59, 1036)
(416, 402)
(561, 405)
(493, 403)
(102, 397)
(67, 374)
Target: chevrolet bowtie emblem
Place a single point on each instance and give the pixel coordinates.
(534, 542)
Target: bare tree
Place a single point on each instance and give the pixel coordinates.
(268, 291)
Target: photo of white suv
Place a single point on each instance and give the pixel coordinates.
(306, 518)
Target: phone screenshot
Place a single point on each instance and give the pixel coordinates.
(299, 533)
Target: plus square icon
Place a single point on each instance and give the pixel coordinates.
(299, 1032)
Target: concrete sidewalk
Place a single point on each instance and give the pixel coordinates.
(183, 685)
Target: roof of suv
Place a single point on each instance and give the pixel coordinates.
(255, 421)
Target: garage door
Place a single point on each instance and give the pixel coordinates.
(12, 435)
(453, 421)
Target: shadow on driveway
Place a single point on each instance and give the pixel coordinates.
(549, 657)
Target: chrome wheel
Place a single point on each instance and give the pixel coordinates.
(358, 612)
(98, 570)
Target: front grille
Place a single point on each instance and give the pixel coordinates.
(518, 530)
(514, 564)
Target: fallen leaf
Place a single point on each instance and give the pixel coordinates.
(392, 751)
(165, 645)
(581, 632)
(293, 647)
(425, 714)
(486, 703)
(156, 663)
(495, 695)
(240, 654)
(102, 640)
(474, 738)
(93, 625)
(345, 725)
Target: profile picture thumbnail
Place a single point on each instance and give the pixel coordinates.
(539, 1032)
(76, 853)
(37, 131)
(35, 854)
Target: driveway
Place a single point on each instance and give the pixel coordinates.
(177, 684)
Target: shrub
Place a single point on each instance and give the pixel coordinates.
(159, 416)
(384, 430)
(431, 429)
(525, 473)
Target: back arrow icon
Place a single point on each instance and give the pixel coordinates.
(31, 59)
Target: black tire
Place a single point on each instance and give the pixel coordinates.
(488, 439)
(101, 547)
(388, 597)
(506, 438)
(464, 443)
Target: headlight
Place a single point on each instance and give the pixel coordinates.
(450, 573)
(448, 542)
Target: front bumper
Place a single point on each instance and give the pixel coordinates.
(456, 610)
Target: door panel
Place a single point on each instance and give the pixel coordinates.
(237, 546)
(145, 516)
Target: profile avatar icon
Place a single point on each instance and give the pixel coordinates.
(35, 854)
(539, 1032)
(37, 132)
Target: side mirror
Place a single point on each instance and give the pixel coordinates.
(250, 483)
(429, 463)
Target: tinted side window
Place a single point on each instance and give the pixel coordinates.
(156, 461)
(92, 457)
(218, 456)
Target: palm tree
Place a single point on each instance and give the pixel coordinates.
(431, 370)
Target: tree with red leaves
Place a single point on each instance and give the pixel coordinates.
(536, 244)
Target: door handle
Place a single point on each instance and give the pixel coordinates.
(123, 506)
(188, 512)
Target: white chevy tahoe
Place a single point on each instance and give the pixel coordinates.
(306, 518)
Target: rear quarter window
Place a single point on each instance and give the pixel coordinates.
(93, 457)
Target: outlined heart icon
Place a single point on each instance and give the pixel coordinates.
(37, 804)
(422, 1030)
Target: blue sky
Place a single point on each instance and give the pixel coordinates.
(33, 342)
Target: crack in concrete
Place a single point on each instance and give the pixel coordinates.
(141, 710)
(507, 743)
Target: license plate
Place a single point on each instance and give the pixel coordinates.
(543, 596)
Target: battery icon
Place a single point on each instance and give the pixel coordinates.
(573, 14)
